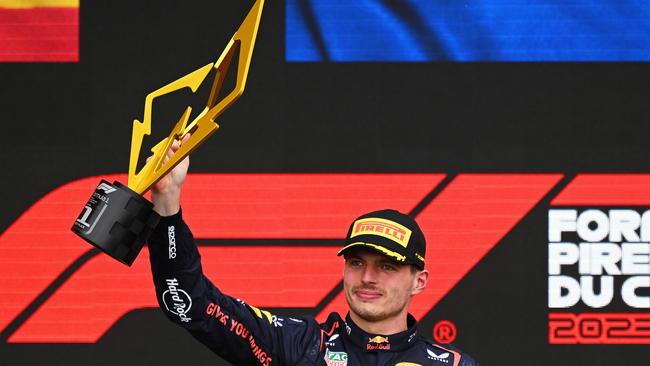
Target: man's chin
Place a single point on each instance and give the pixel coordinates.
(368, 312)
(372, 317)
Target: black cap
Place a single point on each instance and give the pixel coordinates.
(391, 233)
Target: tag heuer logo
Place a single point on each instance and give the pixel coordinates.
(336, 358)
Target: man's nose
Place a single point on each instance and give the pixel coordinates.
(369, 274)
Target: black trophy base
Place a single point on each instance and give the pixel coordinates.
(116, 220)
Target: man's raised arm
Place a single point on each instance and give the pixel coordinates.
(240, 333)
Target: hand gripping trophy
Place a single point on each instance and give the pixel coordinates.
(117, 219)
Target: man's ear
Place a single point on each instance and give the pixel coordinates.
(420, 282)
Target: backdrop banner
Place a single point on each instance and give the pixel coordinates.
(530, 181)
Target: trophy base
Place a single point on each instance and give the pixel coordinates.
(116, 220)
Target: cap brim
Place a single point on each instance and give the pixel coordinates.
(383, 250)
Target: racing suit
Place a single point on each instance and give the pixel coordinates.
(245, 335)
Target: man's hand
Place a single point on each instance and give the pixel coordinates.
(166, 193)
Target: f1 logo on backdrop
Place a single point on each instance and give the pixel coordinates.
(78, 295)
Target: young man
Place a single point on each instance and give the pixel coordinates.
(384, 267)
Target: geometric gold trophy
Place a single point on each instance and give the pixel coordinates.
(117, 219)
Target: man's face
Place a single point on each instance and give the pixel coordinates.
(376, 287)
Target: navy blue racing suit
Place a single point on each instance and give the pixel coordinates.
(245, 335)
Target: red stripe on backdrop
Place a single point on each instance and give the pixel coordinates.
(311, 206)
(606, 189)
(39, 35)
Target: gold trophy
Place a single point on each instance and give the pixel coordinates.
(117, 219)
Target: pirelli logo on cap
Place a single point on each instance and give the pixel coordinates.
(382, 227)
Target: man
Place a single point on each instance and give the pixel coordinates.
(384, 267)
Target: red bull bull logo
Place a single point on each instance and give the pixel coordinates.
(378, 342)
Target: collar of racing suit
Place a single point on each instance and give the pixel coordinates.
(381, 342)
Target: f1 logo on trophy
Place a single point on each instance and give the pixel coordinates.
(117, 219)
